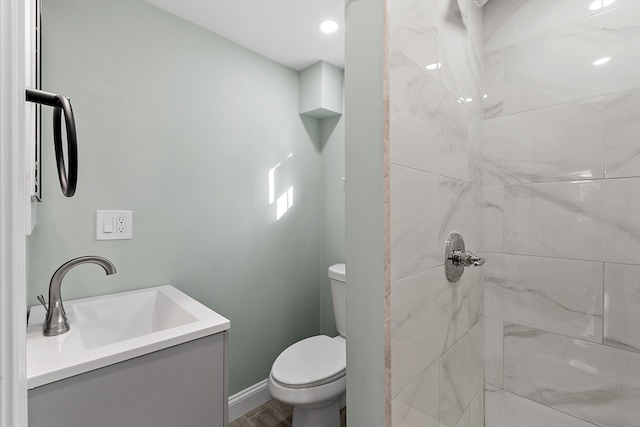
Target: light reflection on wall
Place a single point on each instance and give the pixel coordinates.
(284, 202)
(600, 4)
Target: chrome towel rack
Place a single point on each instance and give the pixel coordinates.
(61, 106)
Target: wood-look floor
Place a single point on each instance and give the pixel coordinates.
(273, 414)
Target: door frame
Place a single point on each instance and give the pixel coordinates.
(13, 241)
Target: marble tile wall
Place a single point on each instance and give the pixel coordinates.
(559, 295)
(537, 71)
(508, 409)
(594, 382)
(622, 306)
(561, 213)
(437, 331)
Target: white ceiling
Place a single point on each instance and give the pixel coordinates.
(283, 30)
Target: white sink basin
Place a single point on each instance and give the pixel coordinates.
(120, 317)
(111, 328)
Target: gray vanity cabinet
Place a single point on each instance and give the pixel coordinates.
(184, 385)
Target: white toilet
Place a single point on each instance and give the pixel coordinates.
(310, 375)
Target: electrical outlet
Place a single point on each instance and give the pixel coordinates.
(121, 224)
(114, 225)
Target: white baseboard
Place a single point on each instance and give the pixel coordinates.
(248, 399)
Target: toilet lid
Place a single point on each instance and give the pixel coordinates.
(318, 359)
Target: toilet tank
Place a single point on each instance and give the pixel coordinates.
(337, 278)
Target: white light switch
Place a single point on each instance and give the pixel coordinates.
(114, 225)
(107, 225)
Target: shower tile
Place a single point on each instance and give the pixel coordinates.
(426, 208)
(442, 37)
(462, 422)
(461, 375)
(493, 98)
(557, 66)
(509, 21)
(493, 218)
(418, 404)
(541, 145)
(428, 315)
(552, 294)
(473, 416)
(622, 306)
(476, 162)
(418, 326)
(610, 4)
(476, 410)
(504, 409)
(493, 348)
(622, 127)
(595, 220)
(413, 30)
(460, 51)
(404, 415)
(430, 129)
(596, 383)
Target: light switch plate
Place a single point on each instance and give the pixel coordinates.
(114, 225)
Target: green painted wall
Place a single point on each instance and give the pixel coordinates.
(182, 127)
(365, 211)
(333, 212)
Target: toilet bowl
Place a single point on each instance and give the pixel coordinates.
(310, 375)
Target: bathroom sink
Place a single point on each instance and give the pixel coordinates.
(111, 328)
(120, 317)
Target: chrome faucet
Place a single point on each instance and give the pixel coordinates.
(56, 322)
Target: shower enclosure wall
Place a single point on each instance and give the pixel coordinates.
(561, 140)
(517, 125)
(435, 88)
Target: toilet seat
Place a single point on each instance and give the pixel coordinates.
(311, 362)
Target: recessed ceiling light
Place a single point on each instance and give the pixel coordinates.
(602, 60)
(329, 26)
(435, 66)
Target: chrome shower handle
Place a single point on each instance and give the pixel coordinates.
(466, 259)
(456, 258)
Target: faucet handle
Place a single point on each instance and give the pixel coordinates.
(42, 301)
(456, 258)
(467, 258)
